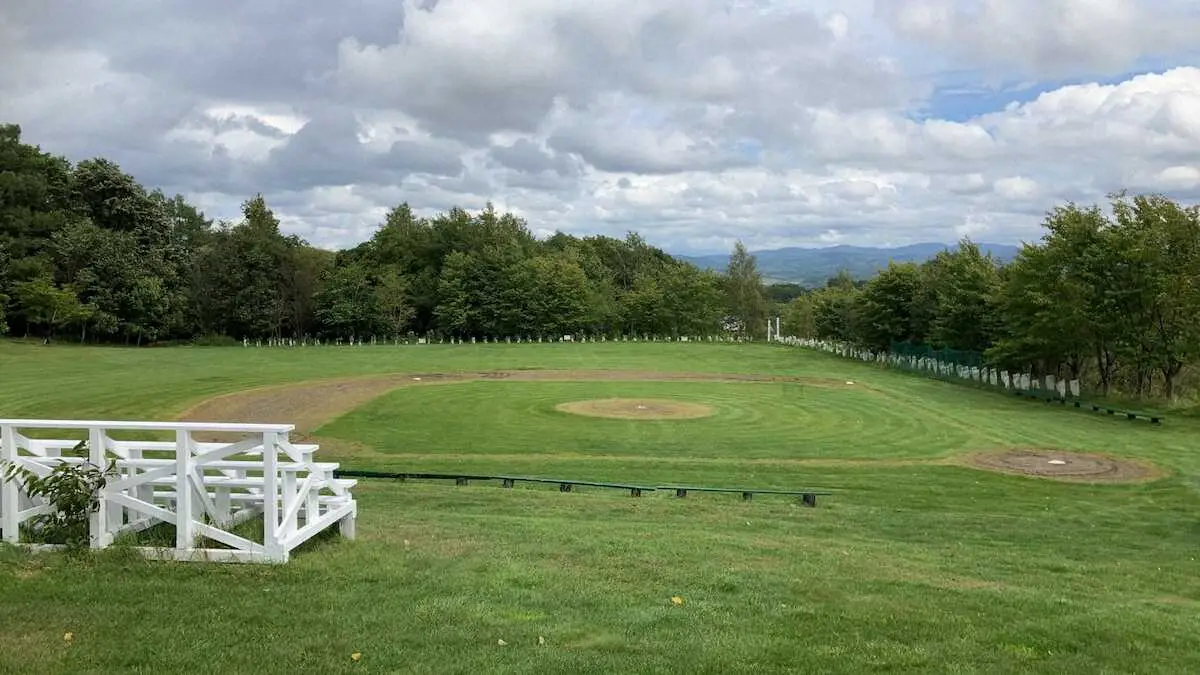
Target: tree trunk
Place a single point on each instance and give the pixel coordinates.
(1170, 371)
(1075, 366)
(1145, 375)
(1104, 361)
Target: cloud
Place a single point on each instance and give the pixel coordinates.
(695, 122)
(1048, 38)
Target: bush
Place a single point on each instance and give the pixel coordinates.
(72, 490)
(213, 340)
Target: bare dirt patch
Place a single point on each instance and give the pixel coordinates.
(1065, 466)
(638, 409)
(308, 405)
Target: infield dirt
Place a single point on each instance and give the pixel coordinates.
(638, 409)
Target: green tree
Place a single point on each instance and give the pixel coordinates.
(780, 294)
(799, 317)
(642, 306)
(246, 277)
(45, 304)
(34, 195)
(693, 304)
(456, 311)
(964, 284)
(393, 301)
(1053, 302)
(4, 299)
(886, 306)
(347, 303)
(412, 247)
(835, 313)
(744, 289)
(1161, 244)
(550, 296)
(113, 200)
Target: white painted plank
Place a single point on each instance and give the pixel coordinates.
(233, 427)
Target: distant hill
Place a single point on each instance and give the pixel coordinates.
(813, 266)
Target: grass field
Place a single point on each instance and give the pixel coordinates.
(918, 564)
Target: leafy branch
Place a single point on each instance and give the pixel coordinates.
(73, 493)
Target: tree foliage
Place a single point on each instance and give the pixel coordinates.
(1108, 297)
(87, 249)
(747, 301)
(72, 490)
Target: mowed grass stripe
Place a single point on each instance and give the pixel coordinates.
(753, 421)
(768, 587)
(914, 566)
(81, 382)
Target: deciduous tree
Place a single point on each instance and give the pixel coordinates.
(746, 302)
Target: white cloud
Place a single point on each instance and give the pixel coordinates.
(1179, 177)
(1047, 37)
(1015, 187)
(695, 122)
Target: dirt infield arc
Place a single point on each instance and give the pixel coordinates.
(638, 409)
(1064, 466)
(311, 404)
(308, 405)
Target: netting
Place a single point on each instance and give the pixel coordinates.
(948, 364)
(915, 351)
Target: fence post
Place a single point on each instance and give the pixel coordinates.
(9, 489)
(270, 454)
(98, 535)
(184, 534)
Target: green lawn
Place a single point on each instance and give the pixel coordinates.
(915, 565)
(753, 421)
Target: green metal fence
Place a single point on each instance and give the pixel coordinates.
(914, 351)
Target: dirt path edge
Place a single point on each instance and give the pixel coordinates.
(312, 403)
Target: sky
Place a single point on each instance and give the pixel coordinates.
(694, 122)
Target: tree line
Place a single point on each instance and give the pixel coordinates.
(1107, 295)
(88, 252)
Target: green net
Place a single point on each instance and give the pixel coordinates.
(911, 351)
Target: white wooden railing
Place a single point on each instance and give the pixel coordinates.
(204, 489)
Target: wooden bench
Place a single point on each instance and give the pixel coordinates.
(807, 497)
(567, 485)
(1154, 418)
(458, 478)
(564, 485)
(1129, 414)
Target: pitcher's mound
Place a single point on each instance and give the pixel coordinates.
(637, 409)
(1062, 465)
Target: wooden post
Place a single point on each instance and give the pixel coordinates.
(185, 533)
(270, 454)
(98, 534)
(9, 489)
(346, 525)
(289, 496)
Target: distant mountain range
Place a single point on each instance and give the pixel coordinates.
(813, 266)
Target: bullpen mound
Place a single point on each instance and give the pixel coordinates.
(638, 409)
(1067, 466)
